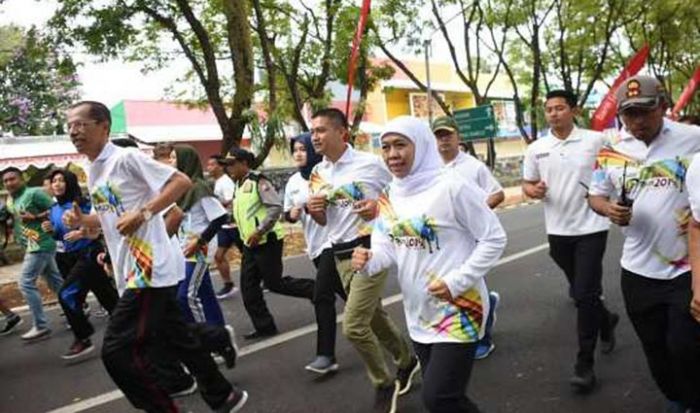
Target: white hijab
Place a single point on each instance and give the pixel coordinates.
(427, 163)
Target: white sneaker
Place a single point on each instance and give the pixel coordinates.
(36, 333)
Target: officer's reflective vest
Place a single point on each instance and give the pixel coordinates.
(249, 211)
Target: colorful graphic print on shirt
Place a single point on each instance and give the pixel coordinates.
(661, 174)
(682, 217)
(31, 238)
(418, 232)
(343, 196)
(106, 199)
(459, 318)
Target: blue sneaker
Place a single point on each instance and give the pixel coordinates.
(485, 346)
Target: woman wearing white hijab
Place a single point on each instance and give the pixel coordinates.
(443, 238)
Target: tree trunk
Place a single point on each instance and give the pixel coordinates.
(241, 47)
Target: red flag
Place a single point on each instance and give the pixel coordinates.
(354, 54)
(606, 111)
(687, 94)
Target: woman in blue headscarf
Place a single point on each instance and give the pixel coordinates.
(77, 260)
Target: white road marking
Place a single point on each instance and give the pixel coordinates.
(273, 341)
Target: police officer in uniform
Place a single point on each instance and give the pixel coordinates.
(257, 209)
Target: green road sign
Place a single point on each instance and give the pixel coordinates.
(476, 123)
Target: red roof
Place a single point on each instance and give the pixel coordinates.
(161, 112)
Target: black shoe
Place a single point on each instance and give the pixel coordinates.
(183, 391)
(228, 290)
(385, 399)
(583, 380)
(11, 322)
(607, 337)
(405, 376)
(234, 402)
(79, 348)
(230, 352)
(255, 334)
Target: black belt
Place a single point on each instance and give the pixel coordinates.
(343, 251)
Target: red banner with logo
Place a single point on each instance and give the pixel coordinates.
(688, 92)
(606, 111)
(355, 53)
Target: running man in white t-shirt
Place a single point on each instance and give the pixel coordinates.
(557, 169)
(128, 192)
(343, 191)
(475, 172)
(641, 184)
(228, 236)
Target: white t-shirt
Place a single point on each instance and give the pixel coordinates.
(655, 240)
(355, 176)
(296, 193)
(446, 232)
(473, 170)
(224, 190)
(122, 180)
(566, 166)
(692, 181)
(197, 219)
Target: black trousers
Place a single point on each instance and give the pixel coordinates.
(141, 319)
(660, 313)
(263, 264)
(327, 286)
(446, 370)
(84, 274)
(581, 259)
(167, 368)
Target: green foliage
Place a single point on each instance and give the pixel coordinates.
(37, 84)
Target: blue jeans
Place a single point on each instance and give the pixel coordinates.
(36, 263)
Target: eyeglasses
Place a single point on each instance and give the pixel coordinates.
(80, 124)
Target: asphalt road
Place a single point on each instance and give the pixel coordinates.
(528, 372)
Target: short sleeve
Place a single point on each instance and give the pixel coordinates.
(692, 181)
(154, 173)
(530, 170)
(41, 200)
(601, 182)
(225, 189)
(212, 208)
(486, 180)
(288, 203)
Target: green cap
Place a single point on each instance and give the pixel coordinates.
(446, 123)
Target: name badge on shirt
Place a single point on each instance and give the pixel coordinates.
(541, 155)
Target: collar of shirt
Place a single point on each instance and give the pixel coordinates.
(461, 157)
(19, 193)
(574, 136)
(107, 151)
(346, 157)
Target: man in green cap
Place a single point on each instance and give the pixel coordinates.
(472, 170)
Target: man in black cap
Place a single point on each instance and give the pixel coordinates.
(645, 170)
(257, 209)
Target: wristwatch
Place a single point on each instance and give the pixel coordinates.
(147, 214)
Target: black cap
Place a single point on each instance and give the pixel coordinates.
(237, 154)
